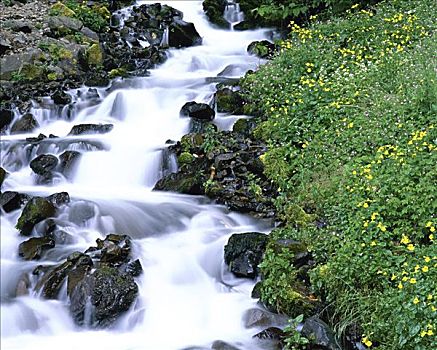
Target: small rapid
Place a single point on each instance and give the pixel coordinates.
(186, 295)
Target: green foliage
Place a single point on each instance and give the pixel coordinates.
(349, 111)
(95, 17)
(294, 340)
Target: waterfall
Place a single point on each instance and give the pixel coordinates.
(232, 13)
(187, 297)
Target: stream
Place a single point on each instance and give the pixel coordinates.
(187, 298)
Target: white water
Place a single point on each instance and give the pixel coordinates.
(187, 297)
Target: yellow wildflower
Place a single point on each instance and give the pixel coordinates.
(416, 300)
(405, 240)
(367, 342)
(413, 281)
(410, 247)
(425, 268)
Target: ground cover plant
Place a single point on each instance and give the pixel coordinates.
(349, 109)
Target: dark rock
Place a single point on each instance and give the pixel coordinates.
(82, 129)
(221, 345)
(134, 268)
(197, 110)
(54, 277)
(26, 123)
(114, 250)
(271, 333)
(6, 117)
(214, 10)
(69, 161)
(256, 291)
(90, 34)
(33, 248)
(43, 164)
(107, 293)
(262, 49)
(11, 201)
(320, 334)
(61, 98)
(3, 174)
(19, 26)
(244, 253)
(59, 199)
(36, 210)
(263, 318)
(229, 101)
(183, 34)
(5, 45)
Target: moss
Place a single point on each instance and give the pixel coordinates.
(294, 214)
(192, 141)
(60, 9)
(52, 76)
(94, 55)
(117, 72)
(185, 158)
(31, 72)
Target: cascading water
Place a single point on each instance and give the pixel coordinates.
(233, 13)
(187, 297)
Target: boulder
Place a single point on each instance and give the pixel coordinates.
(244, 253)
(5, 45)
(214, 10)
(262, 49)
(63, 25)
(26, 123)
(18, 26)
(196, 110)
(3, 174)
(134, 268)
(221, 345)
(107, 293)
(36, 210)
(6, 117)
(44, 164)
(53, 279)
(10, 200)
(69, 161)
(183, 34)
(83, 129)
(33, 248)
(320, 334)
(271, 333)
(59, 199)
(229, 101)
(13, 63)
(114, 250)
(262, 318)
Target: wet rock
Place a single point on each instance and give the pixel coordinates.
(107, 292)
(82, 129)
(59, 199)
(6, 117)
(23, 286)
(54, 277)
(263, 318)
(33, 248)
(134, 268)
(114, 250)
(80, 212)
(271, 333)
(11, 200)
(5, 45)
(320, 334)
(69, 161)
(18, 26)
(26, 123)
(183, 34)
(221, 345)
(244, 252)
(3, 174)
(262, 49)
(36, 210)
(196, 110)
(214, 10)
(59, 97)
(44, 164)
(229, 101)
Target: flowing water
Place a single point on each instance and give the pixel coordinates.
(187, 296)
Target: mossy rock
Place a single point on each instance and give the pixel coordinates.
(117, 72)
(192, 142)
(94, 55)
(60, 9)
(35, 211)
(214, 10)
(32, 72)
(185, 158)
(294, 214)
(229, 101)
